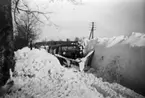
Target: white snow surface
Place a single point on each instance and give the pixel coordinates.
(39, 74)
(135, 39)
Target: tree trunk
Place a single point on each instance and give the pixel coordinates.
(6, 41)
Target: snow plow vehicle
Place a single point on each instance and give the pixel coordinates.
(68, 49)
(69, 53)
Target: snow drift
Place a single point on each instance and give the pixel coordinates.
(125, 54)
(39, 74)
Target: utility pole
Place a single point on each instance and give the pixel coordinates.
(91, 36)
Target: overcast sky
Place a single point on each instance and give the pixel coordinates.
(111, 17)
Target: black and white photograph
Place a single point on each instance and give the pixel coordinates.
(72, 48)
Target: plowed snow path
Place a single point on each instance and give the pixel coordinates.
(40, 75)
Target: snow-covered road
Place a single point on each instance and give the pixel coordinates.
(39, 74)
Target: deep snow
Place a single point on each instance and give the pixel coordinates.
(39, 74)
(125, 52)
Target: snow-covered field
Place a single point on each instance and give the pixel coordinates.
(39, 74)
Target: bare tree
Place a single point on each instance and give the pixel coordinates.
(19, 6)
(7, 61)
(28, 27)
(26, 23)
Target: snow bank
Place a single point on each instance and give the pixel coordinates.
(102, 41)
(135, 39)
(121, 56)
(36, 62)
(22, 53)
(115, 40)
(40, 75)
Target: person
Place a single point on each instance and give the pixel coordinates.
(30, 44)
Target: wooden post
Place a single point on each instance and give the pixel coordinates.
(92, 31)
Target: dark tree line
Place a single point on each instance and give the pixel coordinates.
(6, 41)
